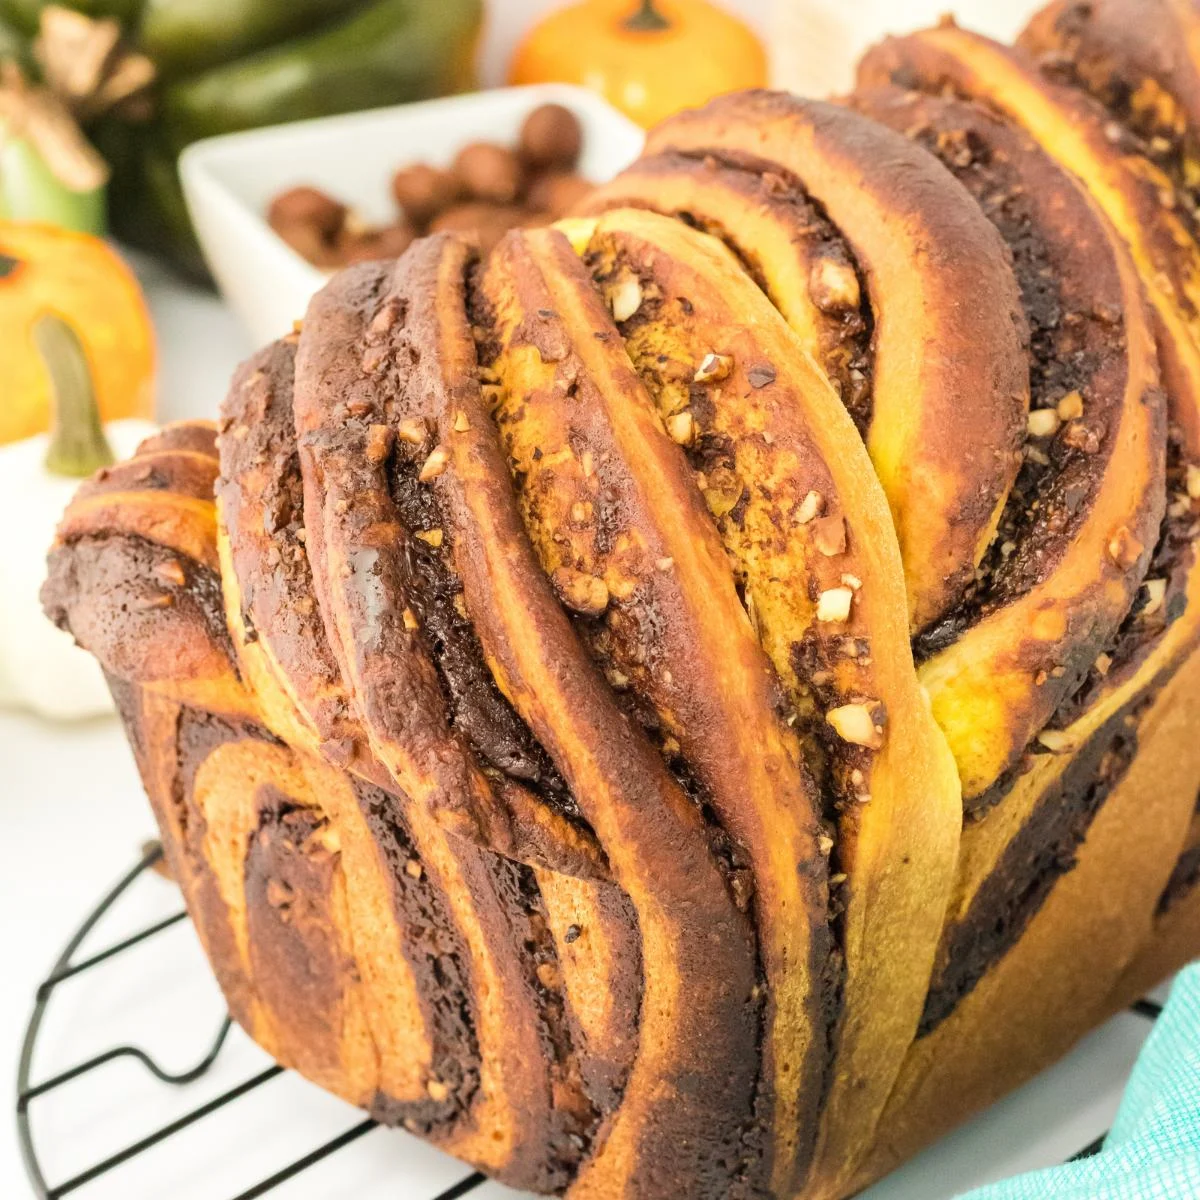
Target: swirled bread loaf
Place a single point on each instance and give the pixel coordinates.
(701, 700)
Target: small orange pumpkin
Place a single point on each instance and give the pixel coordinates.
(78, 278)
(648, 59)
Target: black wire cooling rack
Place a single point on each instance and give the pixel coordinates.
(65, 968)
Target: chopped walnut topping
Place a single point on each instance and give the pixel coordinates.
(583, 593)
(1057, 741)
(1081, 436)
(833, 604)
(825, 844)
(412, 868)
(413, 430)
(855, 723)
(1103, 664)
(836, 880)
(461, 422)
(379, 443)
(548, 976)
(664, 564)
(1042, 423)
(1070, 407)
(833, 285)
(1124, 548)
(435, 464)
(410, 620)
(171, 572)
(682, 428)
(581, 511)
(1193, 481)
(587, 464)
(829, 535)
(1156, 594)
(852, 581)
(437, 1090)
(713, 367)
(810, 508)
(460, 606)
(431, 537)
(722, 491)
(625, 297)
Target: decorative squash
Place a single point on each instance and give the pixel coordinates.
(45, 270)
(649, 60)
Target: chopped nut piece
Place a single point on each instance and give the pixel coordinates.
(1102, 664)
(852, 581)
(437, 1090)
(548, 975)
(435, 464)
(855, 723)
(1080, 436)
(834, 604)
(1070, 407)
(829, 535)
(833, 285)
(412, 430)
(412, 868)
(625, 297)
(461, 423)
(810, 508)
(1124, 548)
(1057, 741)
(410, 619)
(664, 564)
(581, 510)
(681, 428)
(379, 443)
(713, 367)
(171, 572)
(1156, 593)
(586, 594)
(431, 537)
(324, 839)
(1193, 481)
(825, 844)
(587, 464)
(1042, 423)
(722, 491)
(460, 606)
(838, 879)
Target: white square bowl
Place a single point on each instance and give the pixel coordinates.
(229, 181)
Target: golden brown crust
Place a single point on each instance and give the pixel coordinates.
(949, 393)
(763, 439)
(1063, 977)
(1050, 595)
(687, 1075)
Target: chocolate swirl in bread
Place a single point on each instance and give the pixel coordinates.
(697, 701)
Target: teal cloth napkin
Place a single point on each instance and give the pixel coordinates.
(1153, 1151)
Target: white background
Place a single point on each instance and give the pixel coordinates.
(72, 818)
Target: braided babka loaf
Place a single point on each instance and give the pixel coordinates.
(704, 699)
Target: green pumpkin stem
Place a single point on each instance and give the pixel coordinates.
(78, 446)
(647, 18)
